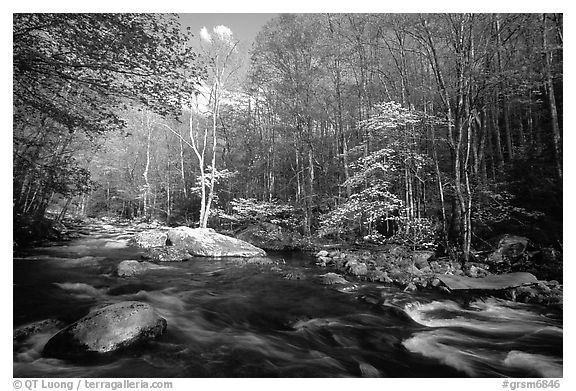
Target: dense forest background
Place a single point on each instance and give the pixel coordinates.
(441, 130)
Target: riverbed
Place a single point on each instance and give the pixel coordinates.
(227, 318)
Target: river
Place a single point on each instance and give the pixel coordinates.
(229, 319)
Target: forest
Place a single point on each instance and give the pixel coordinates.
(436, 130)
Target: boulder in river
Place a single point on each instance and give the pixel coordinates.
(33, 328)
(107, 329)
(131, 268)
(150, 238)
(167, 254)
(332, 279)
(205, 242)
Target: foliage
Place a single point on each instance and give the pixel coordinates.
(76, 69)
(430, 122)
(420, 233)
(73, 76)
(361, 211)
(374, 175)
(250, 210)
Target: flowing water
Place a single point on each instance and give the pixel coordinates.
(229, 319)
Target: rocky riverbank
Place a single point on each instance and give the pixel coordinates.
(419, 270)
(393, 264)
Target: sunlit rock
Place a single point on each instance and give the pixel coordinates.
(150, 238)
(131, 268)
(332, 279)
(205, 242)
(106, 330)
(167, 254)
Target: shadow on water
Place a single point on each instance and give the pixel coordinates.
(228, 319)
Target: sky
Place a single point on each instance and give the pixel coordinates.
(245, 27)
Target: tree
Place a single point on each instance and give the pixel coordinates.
(73, 73)
(220, 53)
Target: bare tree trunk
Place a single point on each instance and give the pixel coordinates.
(310, 197)
(182, 166)
(64, 209)
(497, 136)
(439, 180)
(507, 130)
(346, 163)
(215, 113)
(556, 136)
(146, 197)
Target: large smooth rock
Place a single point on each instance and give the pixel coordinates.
(205, 242)
(492, 282)
(131, 268)
(150, 238)
(106, 330)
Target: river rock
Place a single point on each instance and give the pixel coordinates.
(295, 275)
(339, 264)
(356, 268)
(540, 293)
(131, 268)
(426, 270)
(545, 264)
(421, 258)
(332, 279)
(383, 258)
(106, 330)
(167, 254)
(150, 238)
(260, 261)
(30, 329)
(378, 276)
(399, 276)
(509, 248)
(441, 267)
(205, 242)
(476, 272)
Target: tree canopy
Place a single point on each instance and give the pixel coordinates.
(443, 128)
